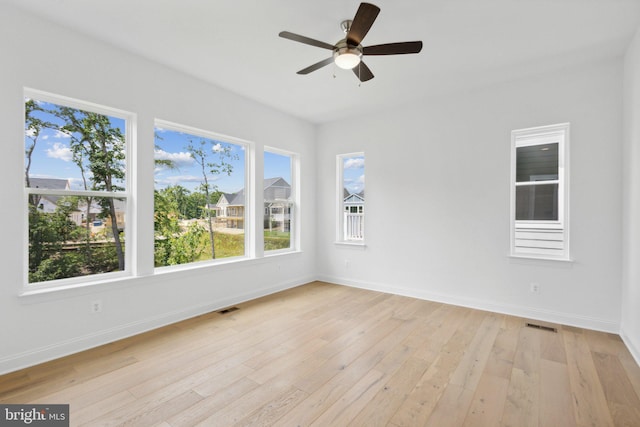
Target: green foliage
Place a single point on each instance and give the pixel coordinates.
(229, 245)
(58, 266)
(274, 240)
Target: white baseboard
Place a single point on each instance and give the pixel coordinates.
(632, 346)
(43, 354)
(520, 311)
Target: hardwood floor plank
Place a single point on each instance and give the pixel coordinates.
(622, 399)
(555, 395)
(522, 406)
(351, 403)
(589, 401)
(329, 355)
(488, 401)
(224, 396)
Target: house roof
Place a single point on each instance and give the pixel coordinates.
(49, 183)
(274, 189)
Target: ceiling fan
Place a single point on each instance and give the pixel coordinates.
(348, 52)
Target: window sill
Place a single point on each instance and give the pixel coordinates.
(280, 252)
(351, 243)
(541, 258)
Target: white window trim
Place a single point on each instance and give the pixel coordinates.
(127, 194)
(340, 201)
(558, 133)
(249, 190)
(294, 226)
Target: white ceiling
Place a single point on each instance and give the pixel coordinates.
(234, 44)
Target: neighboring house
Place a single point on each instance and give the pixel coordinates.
(49, 203)
(353, 215)
(353, 203)
(277, 206)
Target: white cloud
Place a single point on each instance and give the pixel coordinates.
(60, 151)
(361, 179)
(354, 163)
(178, 159)
(60, 134)
(217, 148)
(30, 133)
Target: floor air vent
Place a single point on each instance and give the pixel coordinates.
(542, 327)
(228, 310)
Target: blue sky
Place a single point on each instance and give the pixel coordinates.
(52, 158)
(353, 174)
(171, 145)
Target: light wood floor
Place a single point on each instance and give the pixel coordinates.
(329, 355)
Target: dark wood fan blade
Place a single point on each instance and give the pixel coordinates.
(316, 66)
(362, 22)
(305, 40)
(362, 72)
(393, 48)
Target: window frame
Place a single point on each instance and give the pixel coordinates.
(294, 206)
(130, 120)
(341, 209)
(542, 135)
(249, 148)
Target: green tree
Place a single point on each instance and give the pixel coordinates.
(99, 151)
(201, 154)
(173, 243)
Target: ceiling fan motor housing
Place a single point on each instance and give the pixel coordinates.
(346, 56)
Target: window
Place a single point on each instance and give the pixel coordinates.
(200, 202)
(76, 189)
(539, 194)
(350, 198)
(279, 199)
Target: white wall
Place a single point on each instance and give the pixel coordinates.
(437, 198)
(43, 56)
(630, 325)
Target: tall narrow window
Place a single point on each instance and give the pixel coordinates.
(351, 197)
(199, 197)
(279, 200)
(540, 192)
(76, 188)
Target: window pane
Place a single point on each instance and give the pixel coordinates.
(537, 163)
(199, 198)
(85, 149)
(278, 201)
(353, 197)
(537, 202)
(75, 236)
(74, 149)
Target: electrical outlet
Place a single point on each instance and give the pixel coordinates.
(96, 306)
(535, 288)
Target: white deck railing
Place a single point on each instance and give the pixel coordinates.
(353, 226)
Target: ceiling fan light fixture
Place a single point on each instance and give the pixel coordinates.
(347, 58)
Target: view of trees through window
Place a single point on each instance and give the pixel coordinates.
(199, 197)
(75, 171)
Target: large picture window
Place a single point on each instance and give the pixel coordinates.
(200, 197)
(76, 188)
(279, 200)
(539, 192)
(351, 197)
